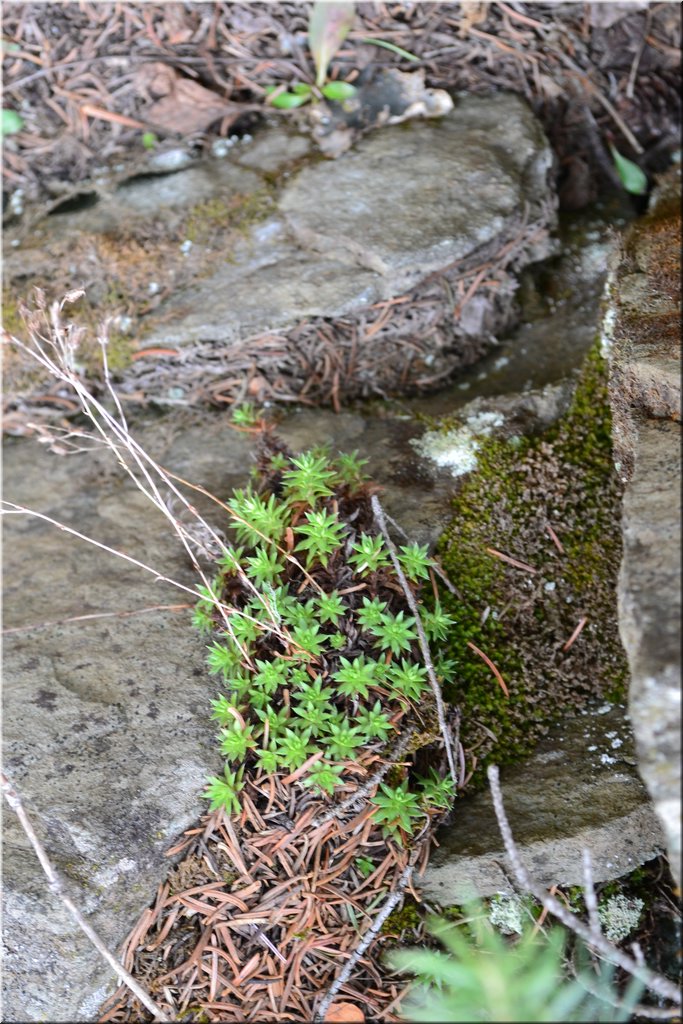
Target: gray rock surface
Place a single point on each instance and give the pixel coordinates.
(579, 789)
(643, 322)
(105, 727)
(330, 239)
(367, 227)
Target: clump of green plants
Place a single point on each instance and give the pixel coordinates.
(317, 653)
(482, 976)
(329, 24)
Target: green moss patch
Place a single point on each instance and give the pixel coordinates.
(528, 500)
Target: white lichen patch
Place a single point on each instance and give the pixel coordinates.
(457, 449)
(619, 916)
(506, 913)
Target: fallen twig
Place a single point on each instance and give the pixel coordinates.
(655, 982)
(582, 622)
(511, 561)
(485, 658)
(96, 615)
(424, 646)
(370, 934)
(56, 886)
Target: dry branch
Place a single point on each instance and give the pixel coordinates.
(592, 936)
(56, 886)
(424, 645)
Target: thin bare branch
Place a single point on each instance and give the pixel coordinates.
(392, 900)
(589, 894)
(57, 886)
(424, 645)
(655, 982)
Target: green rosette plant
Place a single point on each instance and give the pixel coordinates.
(318, 661)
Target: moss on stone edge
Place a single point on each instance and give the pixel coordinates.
(566, 480)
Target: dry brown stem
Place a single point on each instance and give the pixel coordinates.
(57, 886)
(589, 933)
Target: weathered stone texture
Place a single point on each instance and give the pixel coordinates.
(644, 321)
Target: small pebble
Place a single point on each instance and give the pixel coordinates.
(221, 147)
(170, 160)
(123, 323)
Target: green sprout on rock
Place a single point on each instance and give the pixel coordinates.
(395, 633)
(294, 748)
(415, 561)
(263, 566)
(371, 612)
(324, 777)
(310, 479)
(355, 678)
(256, 519)
(408, 679)
(374, 723)
(368, 554)
(236, 740)
(331, 608)
(437, 792)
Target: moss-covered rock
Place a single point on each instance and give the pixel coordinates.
(552, 503)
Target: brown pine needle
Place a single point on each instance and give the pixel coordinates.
(485, 657)
(554, 538)
(572, 638)
(511, 561)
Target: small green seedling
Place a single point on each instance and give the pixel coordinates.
(11, 122)
(630, 175)
(244, 415)
(328, 27)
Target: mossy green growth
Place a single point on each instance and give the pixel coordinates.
(212, 217)
(403, 919)
(552, 503)
(11, 317)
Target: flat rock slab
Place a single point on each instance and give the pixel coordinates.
(579, 789)
(105, 732)
(445, 211)
(106, 720)
(643, 325)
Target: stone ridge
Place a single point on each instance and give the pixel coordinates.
(644, 320)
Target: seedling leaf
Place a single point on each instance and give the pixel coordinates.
(632, 178)
(338, 91)
(328, 27)
(11, 122)
(390, 46)
(290, 100)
